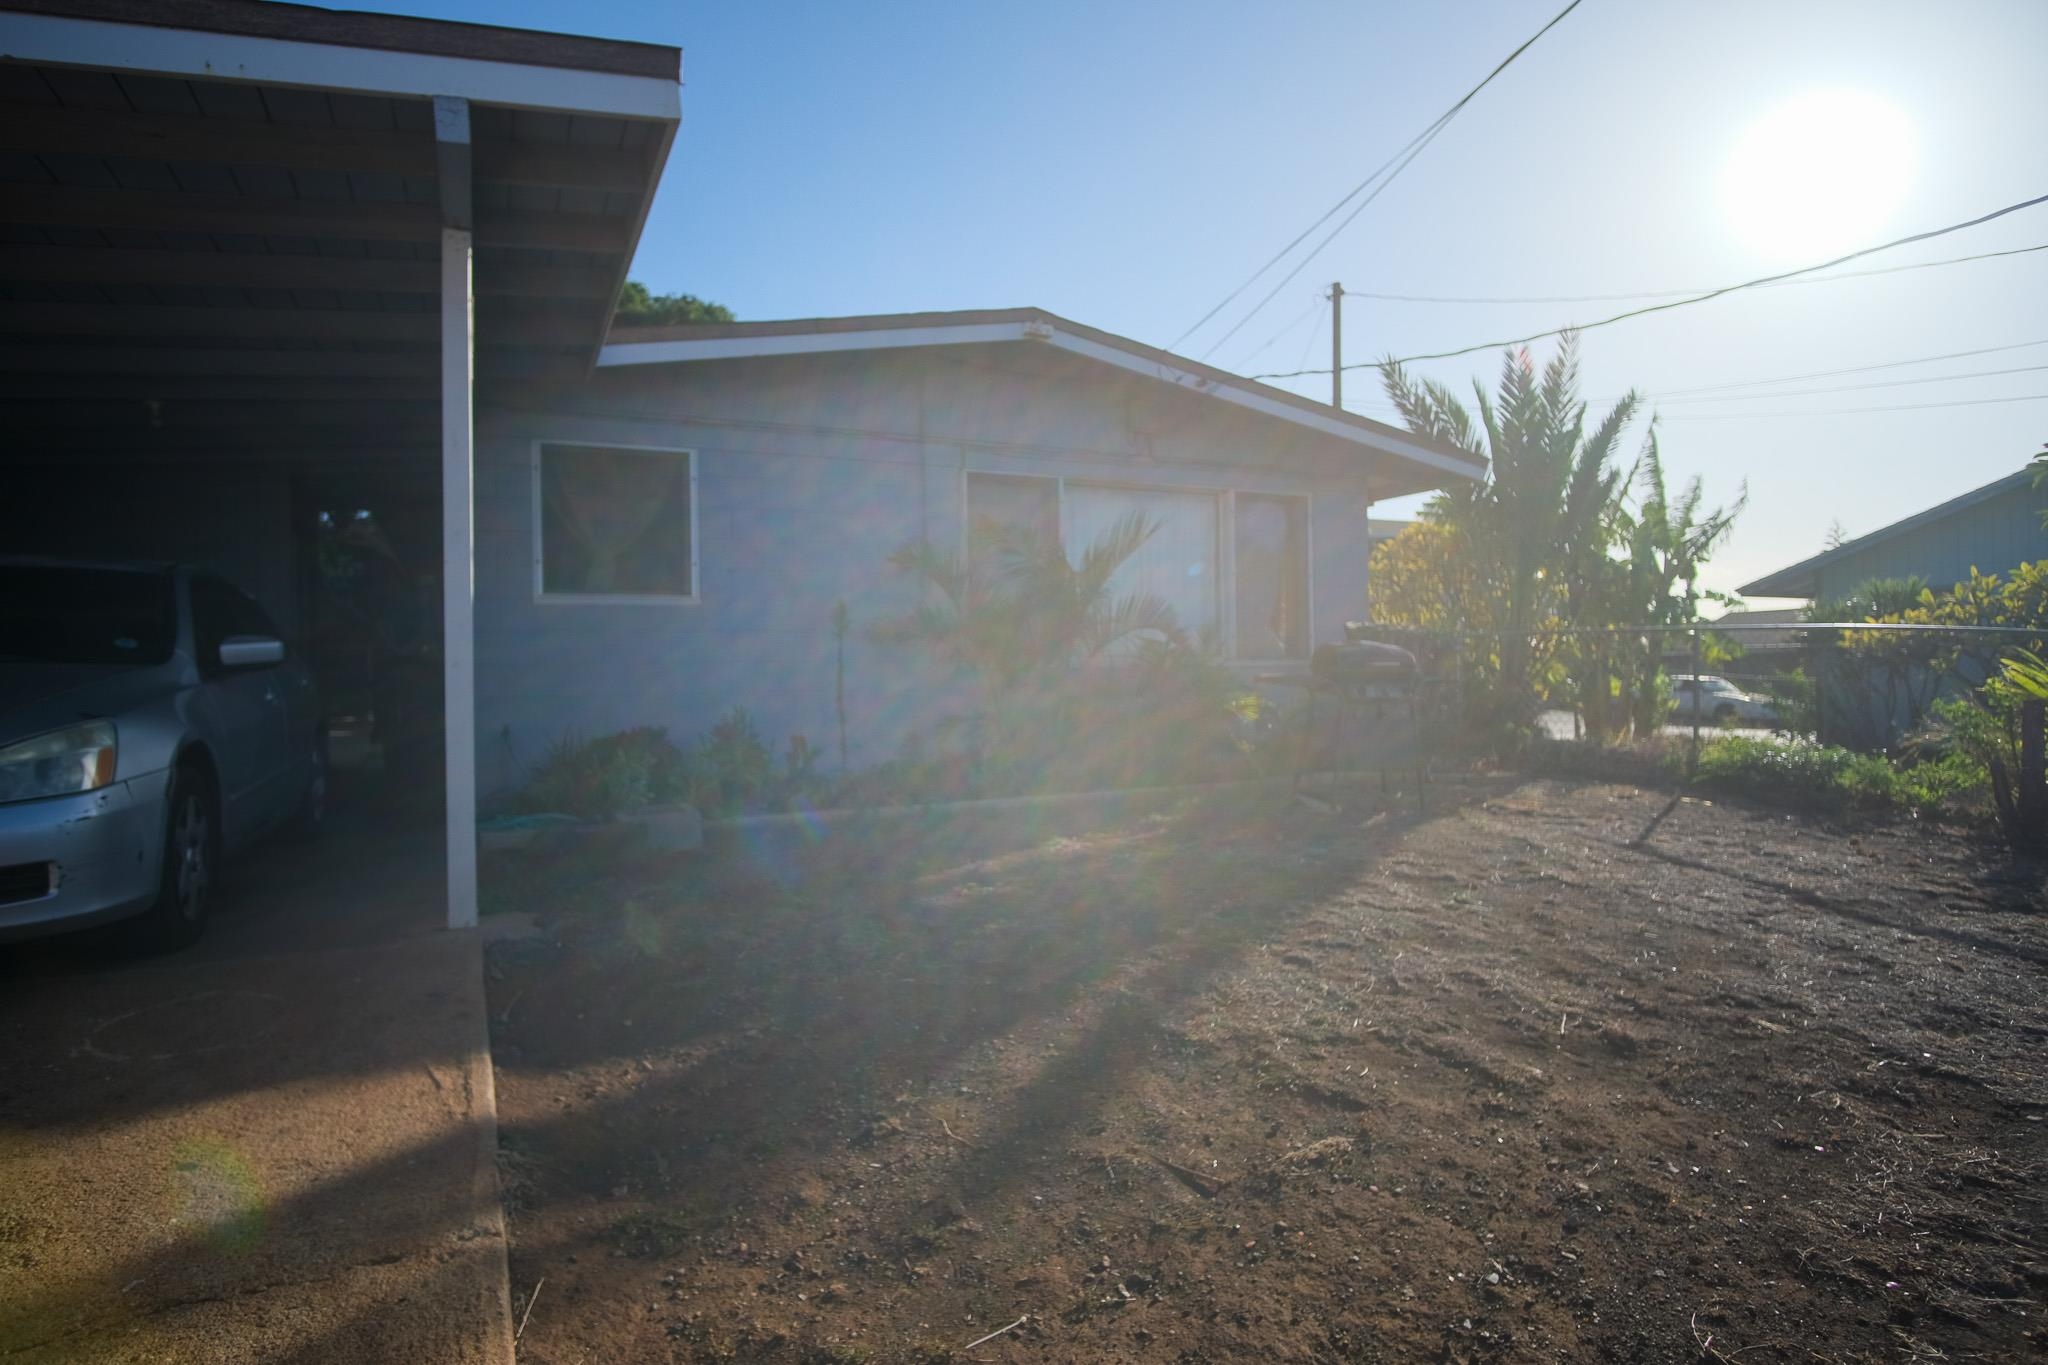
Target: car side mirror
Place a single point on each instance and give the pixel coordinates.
(251, 651)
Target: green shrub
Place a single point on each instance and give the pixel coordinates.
(734, 769)
(1807, 773)
(1829, 779)
(601, 778)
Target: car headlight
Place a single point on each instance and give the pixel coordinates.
(78, 758)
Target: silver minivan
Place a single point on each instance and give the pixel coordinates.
(152, 720)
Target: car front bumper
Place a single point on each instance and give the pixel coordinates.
(105, 846)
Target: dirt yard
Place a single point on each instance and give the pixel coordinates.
(1558, 1071)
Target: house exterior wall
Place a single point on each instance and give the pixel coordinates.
(1992, 536)
(810, 472)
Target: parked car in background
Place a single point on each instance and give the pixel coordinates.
(152, 720)
(1719, 700)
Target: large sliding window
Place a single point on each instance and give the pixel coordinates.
(1233, 566)
(1177, 565)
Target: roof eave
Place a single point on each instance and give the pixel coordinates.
(817, 336)
(1803, 579)
(222, 54)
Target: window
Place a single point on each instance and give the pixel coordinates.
(1272, 577)
(615, 522)
(1177, 565)
(221, 611)
(86, 616)
(1263, 582)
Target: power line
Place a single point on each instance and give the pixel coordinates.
(1681, 293)
(1681, 303)
(1851, 369)
(1317, 250)
(1310, 340)
(1281, 254)
(1845, 388)
(1835, 412)
(1269, 342)
(1421, 138)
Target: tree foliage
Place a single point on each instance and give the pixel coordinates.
(1428, 578)
(1019, 610)
(1880, 681)
(1558, 534)
(1079, 684)
(640, 308)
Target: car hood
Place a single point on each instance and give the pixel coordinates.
(36, 696)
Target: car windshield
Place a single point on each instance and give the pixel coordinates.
(56, 614)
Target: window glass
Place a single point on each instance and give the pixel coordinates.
(215, 606)
(250, 619)
(615, 523)
(994, 500)
(57, 614)
(1178, 564)
(1272, 577)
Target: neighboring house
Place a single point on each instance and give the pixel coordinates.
(1384, 529)
(1991, 529)
(669, 539)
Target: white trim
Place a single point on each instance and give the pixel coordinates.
(51, 40)
(617, 353)
(1230, 392)
(458, 569)
(694, 597)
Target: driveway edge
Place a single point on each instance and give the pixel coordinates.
(487, 1206)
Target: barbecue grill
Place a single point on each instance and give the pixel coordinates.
(1369, 679)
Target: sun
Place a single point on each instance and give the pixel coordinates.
(1819, 174)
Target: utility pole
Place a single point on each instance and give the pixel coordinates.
(1336, 344)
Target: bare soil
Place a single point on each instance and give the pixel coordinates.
(1557, 1071)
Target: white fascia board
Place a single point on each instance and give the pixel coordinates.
(50, 40)
(616, 353)
(1263, 403)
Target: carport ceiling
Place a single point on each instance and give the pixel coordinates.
(195, 265)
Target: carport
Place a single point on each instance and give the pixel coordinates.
(256, 259)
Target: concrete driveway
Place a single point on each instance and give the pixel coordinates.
(277, 1146)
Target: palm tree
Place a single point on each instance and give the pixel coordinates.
(1668, 540)
(1020, 610)
(1543, 512)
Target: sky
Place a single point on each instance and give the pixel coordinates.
(1128, 164)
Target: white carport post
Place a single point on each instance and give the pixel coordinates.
(458, 531)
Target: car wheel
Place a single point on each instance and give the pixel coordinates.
(311, 816)
(190, 865)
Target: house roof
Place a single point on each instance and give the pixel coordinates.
(1803, 579)
(627, 345)
(222, 219)
(391, 32)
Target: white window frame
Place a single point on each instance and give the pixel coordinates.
(1226, 549)
(694, 597)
